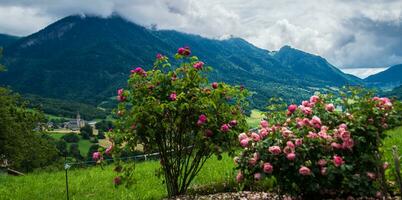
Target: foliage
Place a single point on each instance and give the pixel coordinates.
(23, 147)
(61, 146)
(101, 135)
(175, 111)
(86, 132)
(104, 125)
(71, 138)
(65, 108)
(74, 151)
(315, 147)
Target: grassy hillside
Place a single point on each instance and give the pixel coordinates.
(95, 183)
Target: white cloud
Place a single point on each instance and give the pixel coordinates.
(347, 33)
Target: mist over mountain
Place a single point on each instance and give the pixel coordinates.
(86, 59)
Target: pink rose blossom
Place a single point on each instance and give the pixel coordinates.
(257, 176)
(239, 177)
(312, 135)
(109, 150)
(97, 156)
(233, 123)
(288, 150)
(268, 168)
(371, 175)
(323, 171)
(316, 122)
(290, 144)
(264, 124)
(274, 150)
(263, 133)
(244, 142)
(252, 161)
(305, 171)
(344, 126)
(348, 144)
(336, 145)
(173, 96)
(337, 160)
(330, 107)
(314, 99)
(256, 155)
(292, 108)
(307, 110)
(139, 71)
(306, 104)
(322, 162)
(242, 136)
(198, 65)
(255, 137)
(298, 142)
(184, 51)
(201, 119)
(225, 128)
(291, 156)
(159, 56)
(214, 85)
(209, 133)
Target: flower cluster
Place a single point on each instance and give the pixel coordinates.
(317, 142)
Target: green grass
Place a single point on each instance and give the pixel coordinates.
(395, 138)
(95, 183)
(254, 119)
(83, 145)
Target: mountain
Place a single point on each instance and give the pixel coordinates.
(396, 92)
(86, 59)
(7, 39)
(392, 77)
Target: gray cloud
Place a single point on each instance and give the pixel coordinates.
(350, 34)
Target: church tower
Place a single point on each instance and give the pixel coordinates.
(78, 120)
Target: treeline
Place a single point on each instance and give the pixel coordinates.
(65, 108)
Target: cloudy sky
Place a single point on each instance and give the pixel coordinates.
(360, 37)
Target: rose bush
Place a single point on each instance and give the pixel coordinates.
(324, 146)
(175, 111)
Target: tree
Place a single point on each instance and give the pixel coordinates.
(177, 112)
(75, 151)
(86, 131)
(71, 138)
(22, 146)
(104, 125)
(61, 146)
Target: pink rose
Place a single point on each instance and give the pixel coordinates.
(314, 99)
(291, 156)
(323, 171)
(348, 144)
(268, 168)
(214, 85)
(173, 96)
(290, 144)
(264, 124)
(242, 136)
(239, 177)
(139, 71)
(307, 110)
(97, 156)
(298, 142)
(287, 150)
(322, 162)
(276, 150)
(225, 128)
(292, 108)
(306, 104)
(256, 155)
(159, 56)
(329, 107)
(305, 171)
(336, 145)
(201, 119)
(233, 123)
(209, 133)
(184, 51)
(255, 137)
(371, 175)
(344, 126)
(244, 142)
(109, 150)
(337, 160)
(198, 65)
(252, 161)
(263, 132)
(257, 176)
(316, 122)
